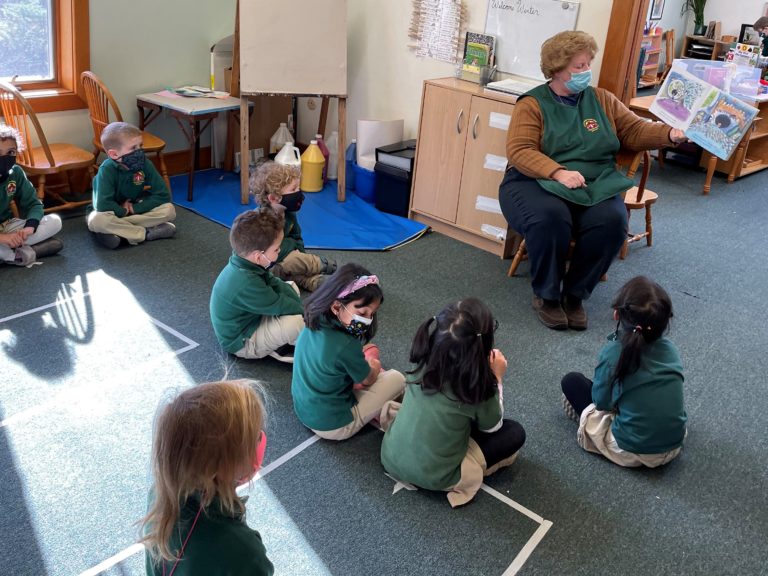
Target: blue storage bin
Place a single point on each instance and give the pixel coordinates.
(365, 184)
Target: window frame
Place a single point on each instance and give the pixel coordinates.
(71, 57)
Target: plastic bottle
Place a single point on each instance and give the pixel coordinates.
(350, 157)
(326, 155)
(279, 138)
(289, 155)
(333, 155)
(312, 164)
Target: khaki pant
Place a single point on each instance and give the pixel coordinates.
(595, 435)
(134, 227)
(49, 225)
(302, 268)
(273, 332)
(370, 401)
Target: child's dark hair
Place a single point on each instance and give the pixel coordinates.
(255, 230)
(271, 178)
(10, 133)
(318, 304)
(455, 356)
(644, 309)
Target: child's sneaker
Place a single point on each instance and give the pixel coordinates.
(329, 265)
(569, 411)
(110, 241)
(164, 230)
(48, 247)
(24, 255)
(284, 353)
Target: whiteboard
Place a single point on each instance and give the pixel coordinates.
(522, 26)
(295, 47)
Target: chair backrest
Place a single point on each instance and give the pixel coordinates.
(19, 114)
(99, 100)
(628, 160)
(669, 55)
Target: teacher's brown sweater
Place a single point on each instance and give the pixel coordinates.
(527, 129)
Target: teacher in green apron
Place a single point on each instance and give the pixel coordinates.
(562, 182)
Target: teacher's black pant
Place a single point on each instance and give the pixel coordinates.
(548, 222)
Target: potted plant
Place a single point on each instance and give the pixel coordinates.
(697, 7)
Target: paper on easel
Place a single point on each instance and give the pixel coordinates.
(711, 118)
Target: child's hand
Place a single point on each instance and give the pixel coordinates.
(26, 232)
(375, 365)
(12, 239)
(498, 363)
(128, 207)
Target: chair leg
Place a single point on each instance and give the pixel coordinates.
(624, 250)
(519, 255)
(648, 226)
(662, 155)
(41, 187)
(163, 169)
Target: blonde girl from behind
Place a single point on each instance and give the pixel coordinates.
(207, 441)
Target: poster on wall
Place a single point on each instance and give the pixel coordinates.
(522, 26)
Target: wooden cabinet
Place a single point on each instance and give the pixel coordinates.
(460, 162)
(651, 43)
(703, 48)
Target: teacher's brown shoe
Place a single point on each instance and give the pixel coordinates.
(550, 313)
(575, 313)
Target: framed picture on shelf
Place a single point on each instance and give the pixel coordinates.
(657, 9)
(748, 35)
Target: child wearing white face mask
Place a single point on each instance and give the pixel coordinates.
(254, 314)
(331, 357)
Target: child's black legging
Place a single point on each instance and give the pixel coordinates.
(499, 445)
(578, 390)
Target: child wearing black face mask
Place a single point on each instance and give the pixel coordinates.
(330, 357)
(277, 186)
(253, 313)
(130, 199)
(29, 235)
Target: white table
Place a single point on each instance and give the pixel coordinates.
(189, 113)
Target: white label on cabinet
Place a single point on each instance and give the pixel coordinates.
(500, 121)
(493, 162)
(486, 204)
(494, 231)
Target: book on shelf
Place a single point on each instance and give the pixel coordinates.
(398, 155)
(478, 51)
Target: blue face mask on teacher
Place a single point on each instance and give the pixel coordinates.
(579, 81)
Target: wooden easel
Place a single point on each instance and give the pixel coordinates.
(244, 128)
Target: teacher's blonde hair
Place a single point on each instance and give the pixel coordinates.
(558, 51)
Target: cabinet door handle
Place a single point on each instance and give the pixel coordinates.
(458, 121)
(474, 126)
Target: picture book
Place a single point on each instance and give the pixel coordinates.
(740, 81)
(710, 117)
(478, 51)
(743, 55)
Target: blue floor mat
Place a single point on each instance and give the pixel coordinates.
(325, 222)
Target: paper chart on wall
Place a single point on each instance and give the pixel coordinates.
(711, 118)
(435, 28)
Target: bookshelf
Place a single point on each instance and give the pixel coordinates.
(703, 48)
(649, 75)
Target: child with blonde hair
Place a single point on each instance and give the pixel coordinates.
(207, 441)
(277, 186)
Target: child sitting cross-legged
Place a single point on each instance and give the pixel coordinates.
(30, 236)
(276, 186)
(130, 199)
(255, 314)
(450, 430)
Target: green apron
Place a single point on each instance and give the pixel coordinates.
(582, 139)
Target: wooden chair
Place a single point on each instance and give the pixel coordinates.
(624, 159)
(637, 198)
(100, 102)
(669, 54)
(45, 159)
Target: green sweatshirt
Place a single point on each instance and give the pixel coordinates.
(17, 187)
(114, 184)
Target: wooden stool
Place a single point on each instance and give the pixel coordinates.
(637, 198)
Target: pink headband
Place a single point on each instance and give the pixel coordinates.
(359, 282)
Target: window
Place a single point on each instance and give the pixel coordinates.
(44, 46)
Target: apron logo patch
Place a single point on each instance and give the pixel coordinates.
(591, 124)
(138, 177)
(11, 188)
